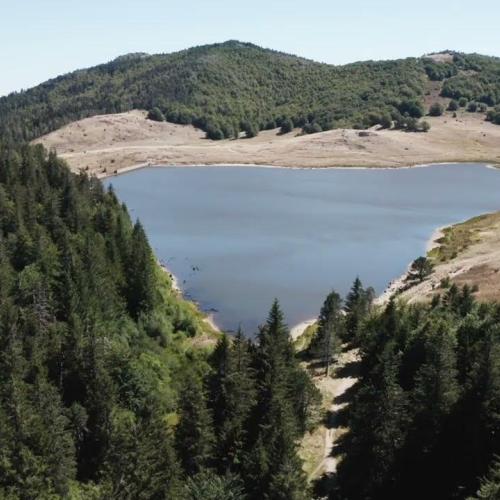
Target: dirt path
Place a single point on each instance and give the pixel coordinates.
(334, 388)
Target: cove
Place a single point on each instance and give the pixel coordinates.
(237, 237)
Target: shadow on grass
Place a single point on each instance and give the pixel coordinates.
(348, 370)
(325, 486)
(337, 419)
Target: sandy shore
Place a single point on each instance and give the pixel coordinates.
(108, 144)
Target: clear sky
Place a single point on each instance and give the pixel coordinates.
(40, 39)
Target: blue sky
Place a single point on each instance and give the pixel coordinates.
(40, 39)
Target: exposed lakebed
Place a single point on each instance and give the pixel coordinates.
(237, 237)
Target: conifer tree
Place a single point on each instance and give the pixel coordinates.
(357, 306)
(327, 340)
(273, 469)
(194, 435)
(140, 273)
(232, 396)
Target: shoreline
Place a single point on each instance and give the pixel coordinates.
(176, 288)
(142, 165)
(395, 285)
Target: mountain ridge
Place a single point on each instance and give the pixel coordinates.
(235, 86)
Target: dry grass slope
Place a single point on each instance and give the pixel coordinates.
(108, 144)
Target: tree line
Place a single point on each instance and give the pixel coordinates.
(224, 89)
(103, 394)
(424, 417)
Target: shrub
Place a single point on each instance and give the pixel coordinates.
(436, 109)
(214, 133)
(462, 102)
(482, 107)
(312, 128)
(286, 126)
(424, 126)
(472, 107)
(156, 115)
(385, 120)
(250, 129)
(453, 105)
(413, 107)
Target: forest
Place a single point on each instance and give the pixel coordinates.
(103, 392)
(424, 416)
(233, 88)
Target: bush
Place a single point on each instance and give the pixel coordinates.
(493, 115)
(386, 120)
(312, 128)
(424, 126)
(472, 107)
(462, 102)
(214, 133)
(453, 105)
(436, 109)
(156, 115)
(413, 108)
(482, 107)
(250, 129)
(286, 126)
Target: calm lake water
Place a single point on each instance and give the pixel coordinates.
(236, 237)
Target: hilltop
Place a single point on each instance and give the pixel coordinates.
(234, 87)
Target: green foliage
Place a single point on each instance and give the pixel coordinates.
(326, 343)
(284, 401)
(411, 107)
(215, 86)
(312, 128)
(232, 397)
(453, 105)
(286, 126)
(472, 107)
(420, 268)
(478, 79)
(436, 109)
(358, 304)
(233, 86)
(87, 347)
(494, 115)
(208, 486)
(438, 71)
(195, 439)
(427, 403)
(100, 394)
(156, 115)
(490, 484)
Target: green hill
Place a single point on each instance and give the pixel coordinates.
(231, 87)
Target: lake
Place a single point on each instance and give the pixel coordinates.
(237, 237)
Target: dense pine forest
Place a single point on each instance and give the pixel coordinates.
(424, 416)
(103, 392)
(235, 87)
(107, 392)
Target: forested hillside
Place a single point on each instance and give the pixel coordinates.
(424, 416)
(102, 393)
(232, 87)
